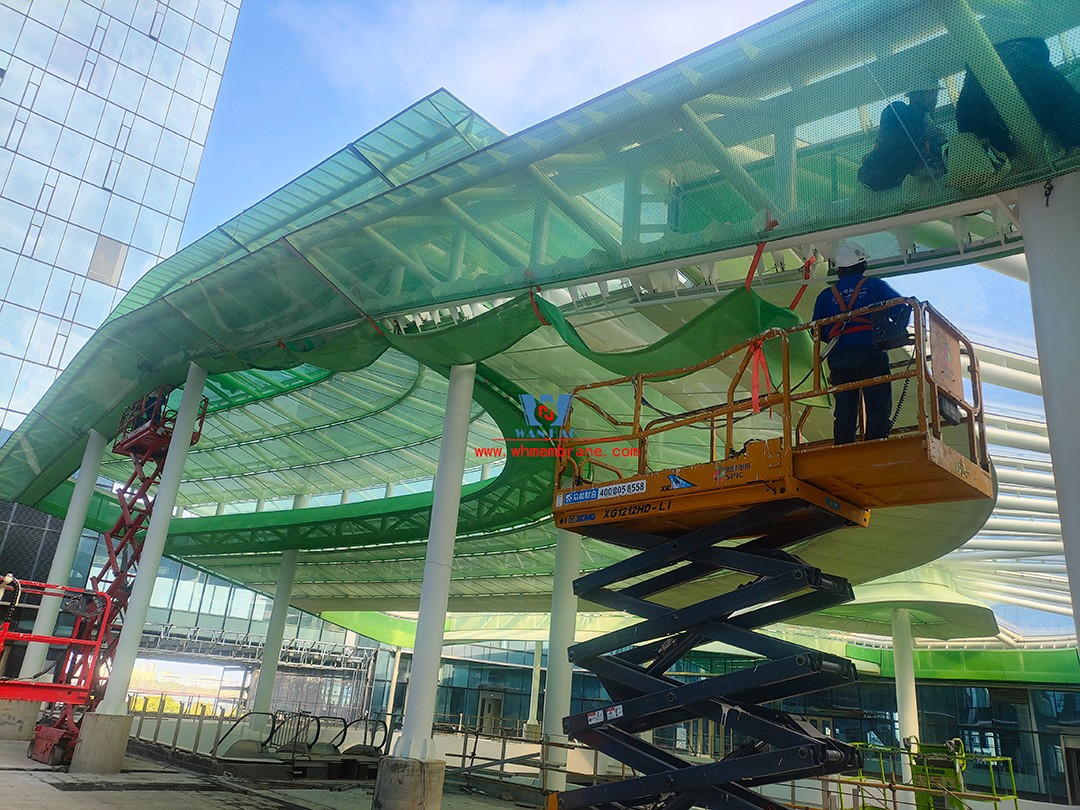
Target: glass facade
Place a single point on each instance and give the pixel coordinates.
(104, 111)
(1035, 727)
(213, 617)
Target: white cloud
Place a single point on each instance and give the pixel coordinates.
(515, 62)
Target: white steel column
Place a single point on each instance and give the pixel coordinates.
(393, 692)
(416, 742)
(66, 547)
(275, 629)
(907, 707)
(275, 632)
(1050, 247)
(532, 725)
(127, 648)
(560, 672)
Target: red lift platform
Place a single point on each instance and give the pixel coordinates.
(80, 675)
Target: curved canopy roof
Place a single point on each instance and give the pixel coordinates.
(328, 312)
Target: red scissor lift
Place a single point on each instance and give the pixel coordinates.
(80, 676)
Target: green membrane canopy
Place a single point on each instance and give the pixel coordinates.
(329, 312)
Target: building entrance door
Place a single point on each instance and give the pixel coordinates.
(491, 712)
(1071, 749)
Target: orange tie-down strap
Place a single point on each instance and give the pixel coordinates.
(758, 365)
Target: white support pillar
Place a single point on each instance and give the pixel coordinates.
(346, 494)
(260, 504)
(392, 694)
(275, 632)
(1050, 248)
(66, 548)
(389, 491)
(532, 725)
(907, 707)
(416, 741)
(560, 672)
(220, 508)
(127, 648)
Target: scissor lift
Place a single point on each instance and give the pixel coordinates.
(80, 676)
(723, 527)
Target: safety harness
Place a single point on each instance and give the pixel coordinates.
(861, 323)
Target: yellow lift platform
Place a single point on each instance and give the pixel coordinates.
(939, 456)
(739, 507)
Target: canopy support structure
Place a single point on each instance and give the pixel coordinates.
(564, 605)
(907, 706)
(1049, 213)
(416, 741)
(532, 725)
(275, 631)
(66, 548)
(104, 733)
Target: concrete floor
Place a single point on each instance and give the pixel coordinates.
(27, 785)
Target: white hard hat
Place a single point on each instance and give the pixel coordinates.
(850, 254)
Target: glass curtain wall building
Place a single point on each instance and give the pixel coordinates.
(104, 111)
(105, 107)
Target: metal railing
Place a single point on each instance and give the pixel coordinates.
(197, 731)
(293, 737)
(937, 771)
(288, 735)
(873, 787)
(943, 398)
(235, 645)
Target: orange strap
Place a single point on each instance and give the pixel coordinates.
(758, 364)
(807, 266)
(374, 325)
(772, 223)
(862, 324)
(536, 309)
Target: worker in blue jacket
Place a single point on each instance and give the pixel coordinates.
(854, 356)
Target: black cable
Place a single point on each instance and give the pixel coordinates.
(10, 582)
(899, 403)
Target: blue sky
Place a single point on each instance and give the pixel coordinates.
(306, 77)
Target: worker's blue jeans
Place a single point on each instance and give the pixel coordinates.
(849, 365)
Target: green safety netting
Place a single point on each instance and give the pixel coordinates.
(257, 439)
(471, 216)
(660, 186)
